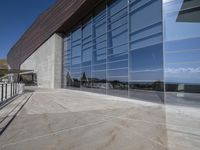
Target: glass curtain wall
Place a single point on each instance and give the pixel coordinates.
(99, 49)
(86, 55)
(146, 50)
(182, 51)
(118, 50)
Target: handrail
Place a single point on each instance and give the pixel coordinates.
(10, 90)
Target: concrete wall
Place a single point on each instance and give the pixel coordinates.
(46, 62)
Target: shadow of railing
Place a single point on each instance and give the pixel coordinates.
(9, 117)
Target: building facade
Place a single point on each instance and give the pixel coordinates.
(140, 49)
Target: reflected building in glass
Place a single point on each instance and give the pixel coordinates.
(140, 49)
(181, 21)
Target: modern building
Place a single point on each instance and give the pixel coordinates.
(141, 49)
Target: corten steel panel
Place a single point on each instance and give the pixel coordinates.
(57, 19)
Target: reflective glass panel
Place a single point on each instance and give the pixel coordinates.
(182, 51)
(146, 51)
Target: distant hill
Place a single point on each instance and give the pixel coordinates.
(3, 67)
(3, 64)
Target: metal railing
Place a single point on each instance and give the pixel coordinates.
(9, 90)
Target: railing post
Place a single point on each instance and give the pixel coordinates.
(2, 92)
(6, 96)
(10, 89)
(15, 88)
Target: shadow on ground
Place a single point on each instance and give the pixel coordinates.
(10, 109)
(73, 120)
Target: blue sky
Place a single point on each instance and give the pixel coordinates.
(15, 17)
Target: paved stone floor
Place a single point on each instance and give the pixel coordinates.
(74, 120)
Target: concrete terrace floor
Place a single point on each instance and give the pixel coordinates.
(73, 120)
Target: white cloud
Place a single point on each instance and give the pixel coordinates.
(166, 1)
(182, 70)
